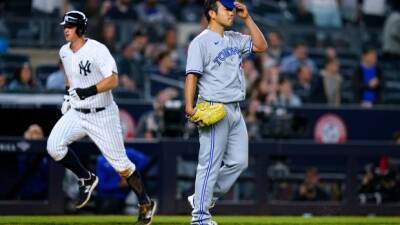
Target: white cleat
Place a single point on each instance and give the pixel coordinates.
(191, 201)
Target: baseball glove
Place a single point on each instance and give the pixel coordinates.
(207, 114)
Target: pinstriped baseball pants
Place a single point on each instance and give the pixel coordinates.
(104, 128)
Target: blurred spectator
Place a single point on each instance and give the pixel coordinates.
(391, 34)
(265, 90)
(373, 12)
(177, 53)
(33, 169)
(328, 85)
(310, 189)
(286, 97)
(368, 190)
(396, 137)
(259, 90)
(55, 81)
(34, 132)
(291, 63)
(50, 7)
(150, 11)
(279, 167)
(119, 10)
(272, 74)
(140, 44)
(3, 42)
(113, 190)
(380, 185)
(93, 12)
(276, 49)
(272, 92)
(108, 35)
(301, 15)
(367, 79)
(330, 53)
(304, 84)
(165, 68)
(326, 12)
(3, 82)
(252, 122)
(150, 124)
(350, 10)
(130, 71)
(166, 65)
(250, 72)
(24, 81)
(92, 9)
(263, 61)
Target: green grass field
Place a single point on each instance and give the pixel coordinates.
(180, 220)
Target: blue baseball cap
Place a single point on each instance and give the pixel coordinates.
(228, 4)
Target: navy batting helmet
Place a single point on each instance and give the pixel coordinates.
(75, 18)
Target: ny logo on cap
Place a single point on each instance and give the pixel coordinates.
(85, 69)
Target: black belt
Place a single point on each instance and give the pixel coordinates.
(92, 110)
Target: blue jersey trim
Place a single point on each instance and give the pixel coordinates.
(195, 72)
(251, 47)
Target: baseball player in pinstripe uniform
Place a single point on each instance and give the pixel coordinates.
(214, 66)
(89, 110)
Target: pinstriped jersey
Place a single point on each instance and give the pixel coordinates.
(217, 60)
(86, 67)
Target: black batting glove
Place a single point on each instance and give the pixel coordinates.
(83, 93)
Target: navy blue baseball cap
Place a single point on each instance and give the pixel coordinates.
(228, 4)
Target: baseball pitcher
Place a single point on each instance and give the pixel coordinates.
(214, 67)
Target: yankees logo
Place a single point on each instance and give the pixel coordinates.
(85, 68)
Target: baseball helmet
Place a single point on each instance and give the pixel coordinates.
(75, 18)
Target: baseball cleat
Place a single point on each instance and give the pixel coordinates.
(191, 201)
(86, 187)
(146, 213)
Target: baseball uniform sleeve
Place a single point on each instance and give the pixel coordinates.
(194, 62)
(244, 42)
(105, 62)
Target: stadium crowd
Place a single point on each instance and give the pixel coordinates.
(311, 68)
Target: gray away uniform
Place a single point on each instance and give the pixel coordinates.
(217, 62)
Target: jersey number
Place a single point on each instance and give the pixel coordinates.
(84, 69)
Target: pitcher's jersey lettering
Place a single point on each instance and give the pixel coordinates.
(86, 67)
(225, 53)
(217, 61)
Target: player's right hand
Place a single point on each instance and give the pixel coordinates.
(66, 105)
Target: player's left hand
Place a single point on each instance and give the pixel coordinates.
(73, 94)
(65, 105)
(83, 93)
(207, 115)
(241, 10)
